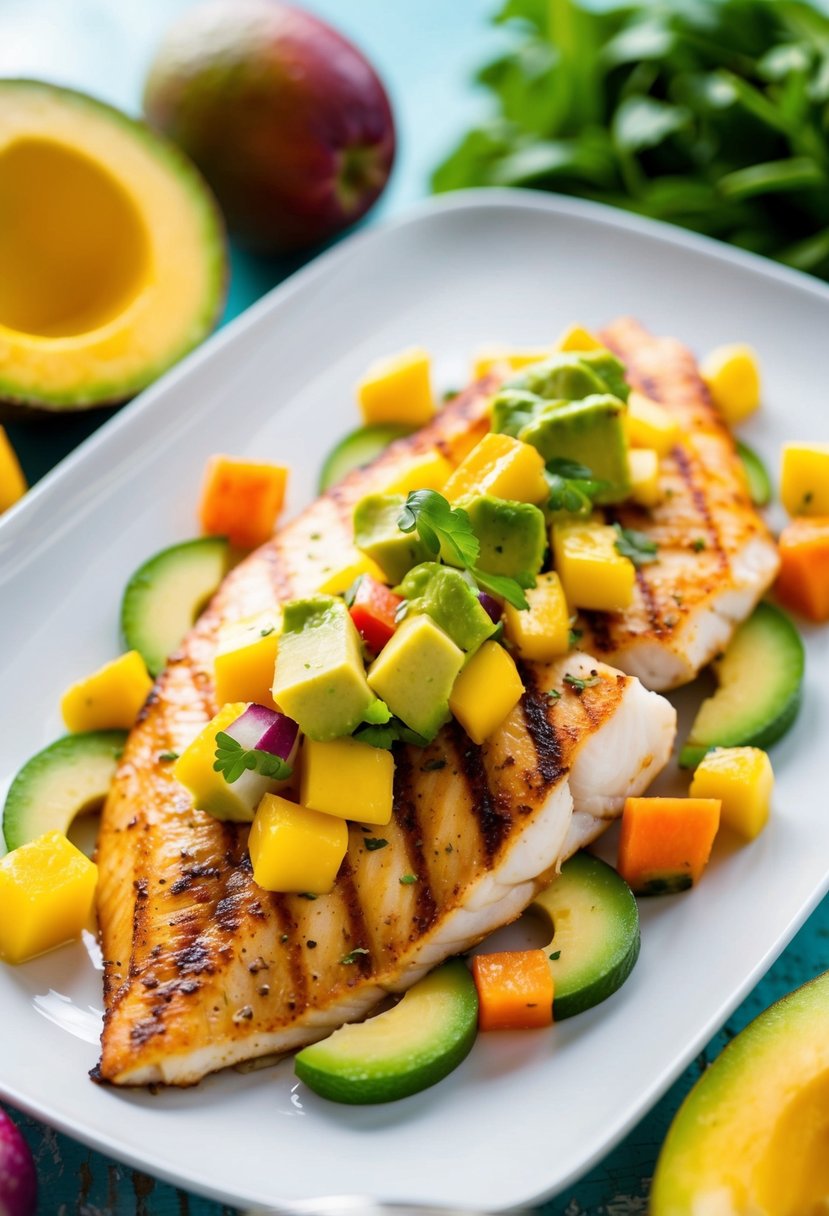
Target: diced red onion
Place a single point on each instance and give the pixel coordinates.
(267, 730)
(490, 606)
(18, 1180)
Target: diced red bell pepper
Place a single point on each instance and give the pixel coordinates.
(373, 613)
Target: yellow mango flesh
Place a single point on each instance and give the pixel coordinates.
(593, 574)
(295, 849)
(649, 425)
(110, 698)
(576, 338)
(643, 464)
(12, 482)
(508, 358)
(245, 659)
(47, 889)
(194, 768)
(486, 691)
(427, 471)
(804, 478)
(743, 779)
(501, 466)
(342, 574)
(542, 632)
(347, 778)
(398, 389)
(732, 376)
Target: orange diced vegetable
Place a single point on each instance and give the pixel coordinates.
(373, 612)
(665, 843)
(803, 581)
(515, 990)
(241, 499)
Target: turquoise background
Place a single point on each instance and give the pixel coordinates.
(427, 51)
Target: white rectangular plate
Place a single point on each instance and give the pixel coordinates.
(527, 1112)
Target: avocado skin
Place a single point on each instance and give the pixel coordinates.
(512, 535)
(445, 595)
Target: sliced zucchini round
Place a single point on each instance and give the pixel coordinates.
(757, 475)
(358, 449)
(67, 778)
(760, 679)
(399, 1052)
(595, 941)
(166, 594)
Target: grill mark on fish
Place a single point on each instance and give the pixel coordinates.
(536, 708)
(699, 500)
(649, 600)
(599, 625)
(492, 814)
(358, 935)
(292, 946)
(406, 817)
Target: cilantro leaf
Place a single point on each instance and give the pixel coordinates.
(442, 528)
(385, 735)
(232, 760)
(569, 469)
(353, 955)
(636, 546)
(509, 589)
(573, 488)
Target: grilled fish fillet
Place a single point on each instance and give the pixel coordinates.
(204, 969)
(716, 556)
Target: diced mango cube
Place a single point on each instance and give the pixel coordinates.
(340, 577)
(211, 792)
(643, 464)
(649, 425)
(245, 659)
(732, 376)
(501, 466)
(347, 778)
(576, 337)
(541, 632)
(295, 849)
(743, 779)
(427, 471)
(509, 358)
(486, 691)
(47, 889)
(398, 389)
(110, 698)
(593, 573)
(12, 481)
(241, 499)
(804, 478)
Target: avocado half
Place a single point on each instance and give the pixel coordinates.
(112, 252)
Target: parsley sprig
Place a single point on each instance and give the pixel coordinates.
(636, 546)
(232, 760)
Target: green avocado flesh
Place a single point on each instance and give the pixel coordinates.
(757, 475)
(399, 1052)
(414, 674)
(512, 535)
(357, 450)
(445, 595)
(165, 596)
(377, 534)
(571, 376)
(752, 1136)
(320, 679)
(760, 679)
(71, 776)
(589, 432)
(595, 938)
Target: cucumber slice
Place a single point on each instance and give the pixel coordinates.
(401, 1051)
(757, 475)
(165, 595)
(68, 777)
(760, 680)
(595, 940)
(358, 449)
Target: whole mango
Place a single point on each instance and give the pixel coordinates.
(287, 120)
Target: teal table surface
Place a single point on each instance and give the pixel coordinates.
(427, 51)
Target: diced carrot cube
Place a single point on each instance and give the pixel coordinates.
(803, 581)
(515, 990)
(665, 843)
(241, 499)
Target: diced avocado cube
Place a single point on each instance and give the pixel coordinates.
(589, 432)
(320, 679)
(512, 535)
(573, 375)
(609, 369)
(513, 408)
(377, 534)
(415, 672)
(445, 595)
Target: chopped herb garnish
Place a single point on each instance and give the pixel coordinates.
(315, 536)
(509, 589)
(555, 955)
(168, 757)
(575, 636)
(573, 487)
(441, 527)
(578, 684)
(232, 760)
(450, 394)
(433, 766)
(698, 545)
(554, 694)
(307, 895)
(373, 843)
(353, 955)
(385, 735)
(350, 594)
(266, 633)
(636, 546)
(400, 611)
(406, 880)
